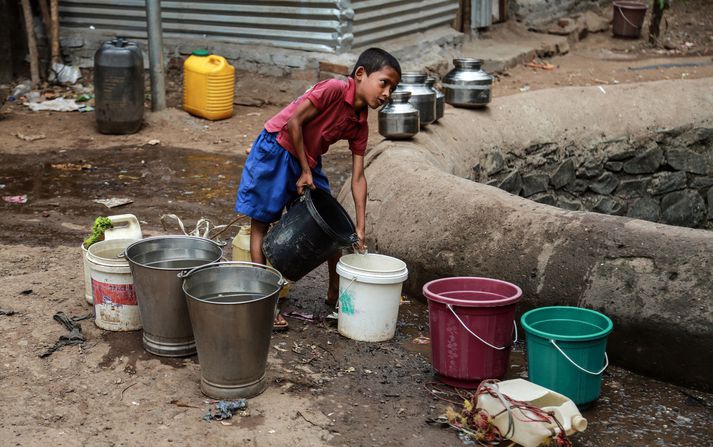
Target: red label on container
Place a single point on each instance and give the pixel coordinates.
(115, 294)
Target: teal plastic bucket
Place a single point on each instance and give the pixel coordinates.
(566, 350)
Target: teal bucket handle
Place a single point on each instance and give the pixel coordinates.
(341, 294)
(450, 307)
(606, 361)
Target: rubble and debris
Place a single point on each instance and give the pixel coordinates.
(304, 316)
(474, 422)
(540, 65)
(64, 74)
(226, 409)
(114, 202)
(71, 166)
(54, 105)
(75, 336)
(7, 312)
(16, 199)
(35, 137)
(21, 89)
(421, 340)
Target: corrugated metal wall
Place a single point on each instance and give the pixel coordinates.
(316, 25)
(377, 20)
(307, 25)
(481, 13)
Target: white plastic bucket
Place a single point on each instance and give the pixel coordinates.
(115, 304)
(126, 226)
(369, 296)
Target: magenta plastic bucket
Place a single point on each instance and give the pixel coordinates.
(472, 325)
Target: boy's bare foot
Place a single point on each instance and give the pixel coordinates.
(280, 324)
(247, 150)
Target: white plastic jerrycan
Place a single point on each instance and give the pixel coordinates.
(524, 429)
(125, 226)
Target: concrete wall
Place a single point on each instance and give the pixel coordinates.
(539, 12)
(653, 280)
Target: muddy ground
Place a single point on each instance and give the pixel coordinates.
(323, 389)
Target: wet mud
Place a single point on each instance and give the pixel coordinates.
(356, 393)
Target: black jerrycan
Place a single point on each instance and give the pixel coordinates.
(119, 87)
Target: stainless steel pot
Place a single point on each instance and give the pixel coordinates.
(154, 264)
(232, 309)
(467, 85)
(422, 98)
(398, 119)
(440, 98)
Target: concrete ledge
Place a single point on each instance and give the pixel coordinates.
(653, 280)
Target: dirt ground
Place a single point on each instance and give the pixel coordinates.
(324, 389)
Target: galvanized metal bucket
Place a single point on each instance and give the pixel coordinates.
(155, 263)
(232, 309)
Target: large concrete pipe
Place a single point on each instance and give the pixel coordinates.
(653, 280)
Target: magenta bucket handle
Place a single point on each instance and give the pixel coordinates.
(450, 307)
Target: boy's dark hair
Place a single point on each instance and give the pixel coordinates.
(374, 59)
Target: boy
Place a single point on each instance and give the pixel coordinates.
(287, 155)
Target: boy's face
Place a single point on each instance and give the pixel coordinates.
(375, 89)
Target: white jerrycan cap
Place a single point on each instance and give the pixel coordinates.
(125, 226)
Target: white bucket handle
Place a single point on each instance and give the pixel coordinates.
(345, 291)
(450, 307)
(606, 361)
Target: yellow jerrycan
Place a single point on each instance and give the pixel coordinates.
(208, 86)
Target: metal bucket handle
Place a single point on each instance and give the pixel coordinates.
(606, 361)
(450, 307)
(220, 244)
(185, 274)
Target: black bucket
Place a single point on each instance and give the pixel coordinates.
(314, 228)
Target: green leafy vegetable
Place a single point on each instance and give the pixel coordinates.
(101, 224)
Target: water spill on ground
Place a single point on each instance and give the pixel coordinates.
(62, 185)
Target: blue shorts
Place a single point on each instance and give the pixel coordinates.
(269, 180)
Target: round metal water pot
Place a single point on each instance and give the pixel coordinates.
(423, 98)
(467, 85)
(440, 98)
(232, 309)
(398, 119)
(154, 263)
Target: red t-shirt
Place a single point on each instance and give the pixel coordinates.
(335, 121)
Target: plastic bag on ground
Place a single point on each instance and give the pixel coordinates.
(64, 74)
(54, 105)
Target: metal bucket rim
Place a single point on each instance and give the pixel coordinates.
(169, 236)
(185, 276)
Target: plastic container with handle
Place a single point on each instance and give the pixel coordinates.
(126, 227)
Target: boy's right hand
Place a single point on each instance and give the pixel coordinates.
(305, 180)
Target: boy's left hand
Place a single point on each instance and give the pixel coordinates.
(305, 180)
(360, 245)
